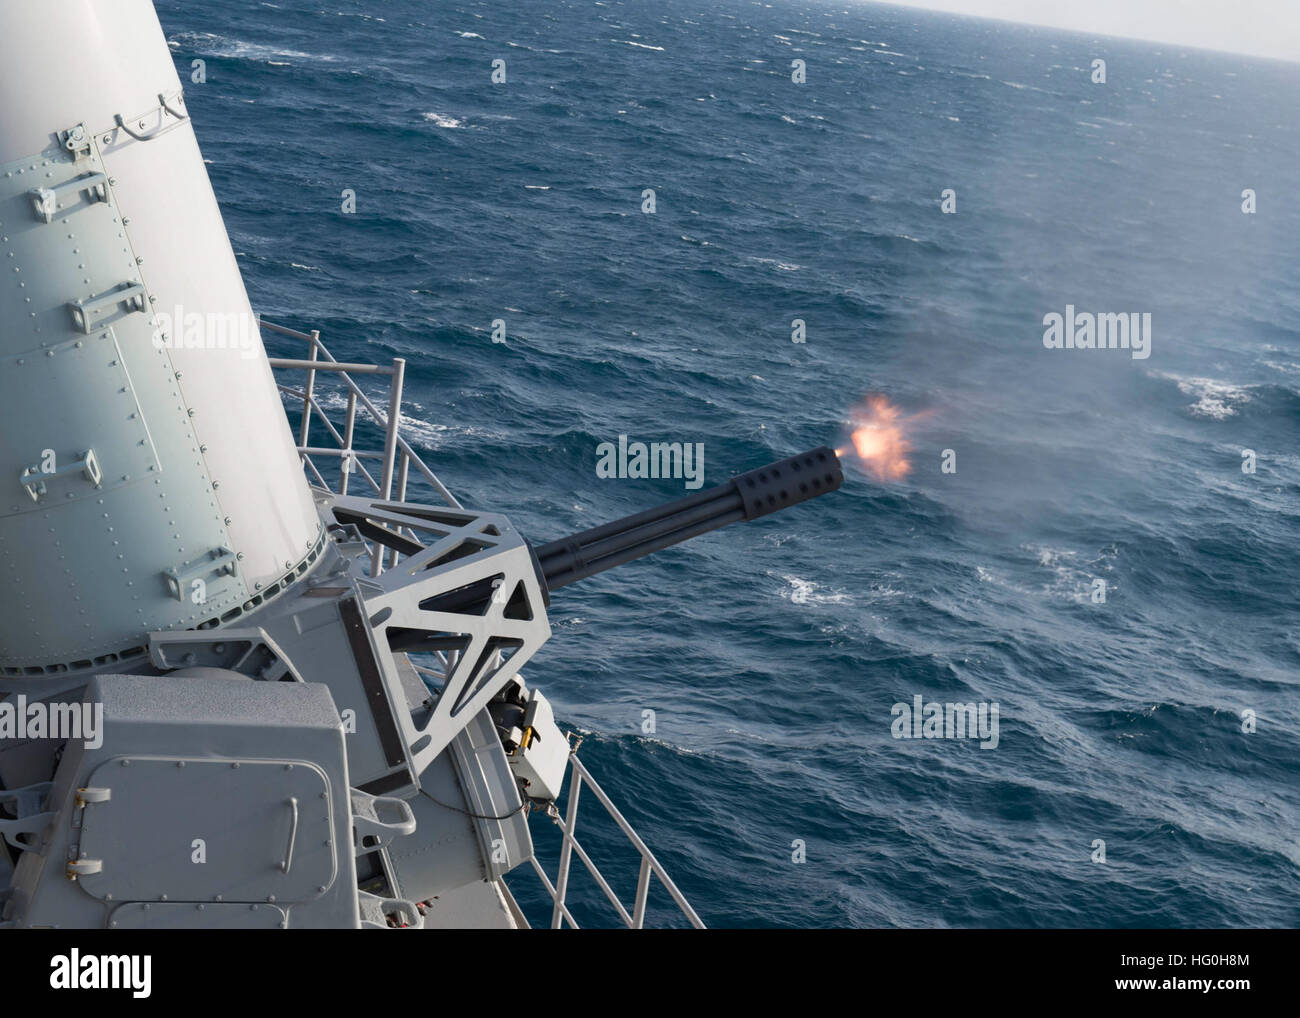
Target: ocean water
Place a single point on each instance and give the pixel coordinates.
(772, 653)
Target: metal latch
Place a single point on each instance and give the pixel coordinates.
(221, 561)
(76, 140)
(84, 309)
(33, 478)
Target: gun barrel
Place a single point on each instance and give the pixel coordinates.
(746, 496)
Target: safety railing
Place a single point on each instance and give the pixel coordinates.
(396, 462)
(579, 777)
(398, 457)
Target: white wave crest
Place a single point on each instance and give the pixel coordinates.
(1214, 398)
(442, 120)
(806, 592)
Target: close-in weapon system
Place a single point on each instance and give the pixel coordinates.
(230, 697)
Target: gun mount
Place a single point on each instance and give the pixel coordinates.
(318, 692)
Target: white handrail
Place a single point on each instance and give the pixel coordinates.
(396, 448)
(650, 866)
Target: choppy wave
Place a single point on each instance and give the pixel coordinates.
(771, 653)
(442, 120)
(1211, 397)
(209, 44)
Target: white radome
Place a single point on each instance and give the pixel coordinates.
(148, 476)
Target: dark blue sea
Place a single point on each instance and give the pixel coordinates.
(773, 652)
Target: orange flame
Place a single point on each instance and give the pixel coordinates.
(878, 439)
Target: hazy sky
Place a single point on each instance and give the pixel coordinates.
(1268, 28)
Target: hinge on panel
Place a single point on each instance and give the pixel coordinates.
(88, 796)
(83, 867)
(78, 865)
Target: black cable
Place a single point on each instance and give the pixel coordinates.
(523, 805)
